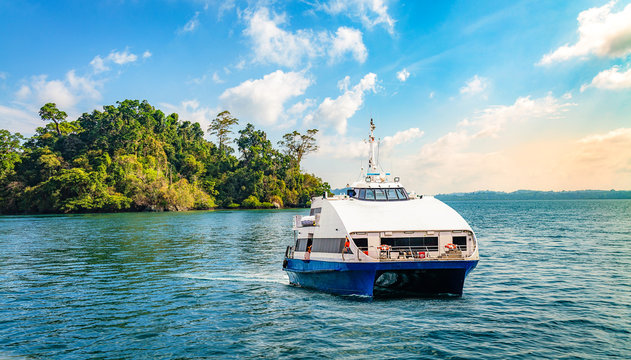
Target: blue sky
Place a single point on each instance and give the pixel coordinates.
(466, 95)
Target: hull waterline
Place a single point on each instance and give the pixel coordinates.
(401, 278)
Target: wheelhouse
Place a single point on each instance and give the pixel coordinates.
(379, 194)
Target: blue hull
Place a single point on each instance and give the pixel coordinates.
(420, 278)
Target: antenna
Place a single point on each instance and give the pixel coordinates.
(379, 152)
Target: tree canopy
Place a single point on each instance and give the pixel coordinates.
(298, 145)
(132, 157)
(220, 126)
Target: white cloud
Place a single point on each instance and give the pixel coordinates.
(431, 95)
(147, 54)
(192, 24)
(216, 78)
(614, 136)
(100, 64)
(475, 85)
(403, 75)
(341, 147)
(370, 12)
(277, 46)
(336, 112)
(17, 120)
(611, 79)
(348, 40)
(122, 58)
(262, 100)
(453, 162)
(491, 121)
(300, 107)
(601, 32)
(190, 110)
(225, 6)
(66, 93)
(3, 75)
(389, 142)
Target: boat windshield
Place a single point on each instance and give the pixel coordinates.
(389, 194)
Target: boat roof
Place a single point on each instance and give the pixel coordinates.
(424, 214)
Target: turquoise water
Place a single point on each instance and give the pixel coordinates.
(554, 281)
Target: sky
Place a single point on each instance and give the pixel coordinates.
(465, 95)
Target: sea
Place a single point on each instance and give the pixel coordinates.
(553, 282)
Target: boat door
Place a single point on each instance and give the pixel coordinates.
(373, 243)
(309, 240)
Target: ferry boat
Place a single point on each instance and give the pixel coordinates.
(380, 240)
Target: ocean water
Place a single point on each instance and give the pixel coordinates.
(554, 281)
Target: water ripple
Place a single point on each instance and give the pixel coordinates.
(554, 281)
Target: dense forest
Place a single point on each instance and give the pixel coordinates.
(133, 157)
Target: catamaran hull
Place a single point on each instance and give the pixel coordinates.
(407, 278)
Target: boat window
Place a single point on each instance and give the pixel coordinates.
(431, 243)
(351, 192)
(401, 193)
(361, 243)
(315, 211)
(328, 245)
(391, 194)
(461, 241)
(301, 245)
(380, 195)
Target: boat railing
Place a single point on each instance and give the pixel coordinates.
(289, 252)
(415, 252)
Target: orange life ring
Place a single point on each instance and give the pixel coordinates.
(451, 246)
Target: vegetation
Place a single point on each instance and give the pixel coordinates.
(133, 157)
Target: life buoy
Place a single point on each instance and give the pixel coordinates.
(451, 246)
(383, 247)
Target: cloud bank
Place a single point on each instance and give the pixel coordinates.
(601, 32)
(274, 45)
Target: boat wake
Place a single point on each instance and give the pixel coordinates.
(250, 278)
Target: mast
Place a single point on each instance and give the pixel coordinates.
(372, 164)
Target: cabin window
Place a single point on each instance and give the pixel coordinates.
(401, 193)
(351, 192)
(301, 245)
(431, 243)
(386, 194)
(461, 241)
(328, 245)
(380, 195)
(315, 211)
(361, 243)
(391, 194)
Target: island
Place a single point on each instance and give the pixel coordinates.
(133, 157)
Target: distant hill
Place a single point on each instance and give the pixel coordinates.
(341, 191)
(538, 195)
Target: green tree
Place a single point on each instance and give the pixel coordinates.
(10, 151)
(298, 145)
(50, 112)
(220, 126)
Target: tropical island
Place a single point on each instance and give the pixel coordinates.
(133, 157)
